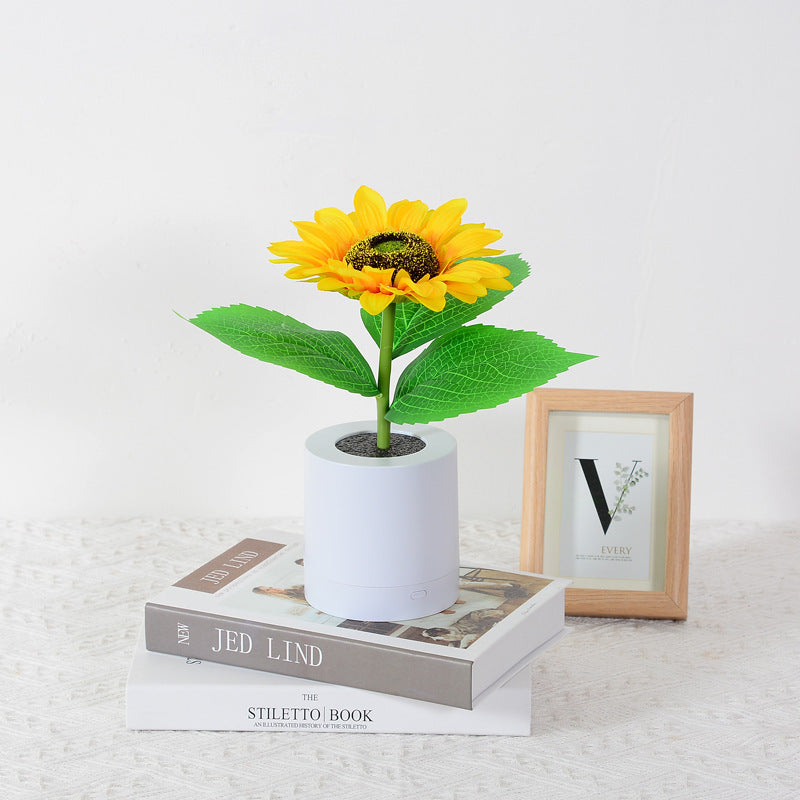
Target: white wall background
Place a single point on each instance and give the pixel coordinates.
(642, 155)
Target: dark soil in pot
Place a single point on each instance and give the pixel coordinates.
(366, 444)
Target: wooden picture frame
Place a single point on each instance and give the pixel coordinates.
(628, 556)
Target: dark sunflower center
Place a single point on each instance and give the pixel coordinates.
(395, 250)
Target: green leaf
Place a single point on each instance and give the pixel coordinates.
(416, 325)
(328, 356)
(476, 367)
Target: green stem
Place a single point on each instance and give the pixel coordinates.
(385, 375)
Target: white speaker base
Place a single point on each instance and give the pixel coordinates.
(381, 533)
(382, 603)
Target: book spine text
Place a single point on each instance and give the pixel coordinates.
(313, 656)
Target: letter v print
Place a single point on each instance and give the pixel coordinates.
(598, 495)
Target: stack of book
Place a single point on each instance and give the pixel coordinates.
(234, 646)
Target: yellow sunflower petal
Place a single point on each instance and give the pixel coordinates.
(466, 243)
(340, 268)
(461, 274)
(433, 303)
(466, 298)
(500, 284)
(370, 210)
(330, 284)
(472, 289)
(444, 220)
(300, 253)
(406, 215)
(464, 226)
(301, 273)
(487, 269)
(316, 235)
(375, 278)
(374, 303)
(428, 289)
(341, 228)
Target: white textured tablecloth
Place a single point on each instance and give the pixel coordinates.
(707, 708)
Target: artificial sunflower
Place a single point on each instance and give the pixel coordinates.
(444, 272)
(408, 252)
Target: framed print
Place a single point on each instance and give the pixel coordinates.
(606, 500)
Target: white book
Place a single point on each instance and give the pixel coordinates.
(167, 692)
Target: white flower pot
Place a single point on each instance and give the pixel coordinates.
(381, 533)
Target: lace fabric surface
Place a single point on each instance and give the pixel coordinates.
(707, 708)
